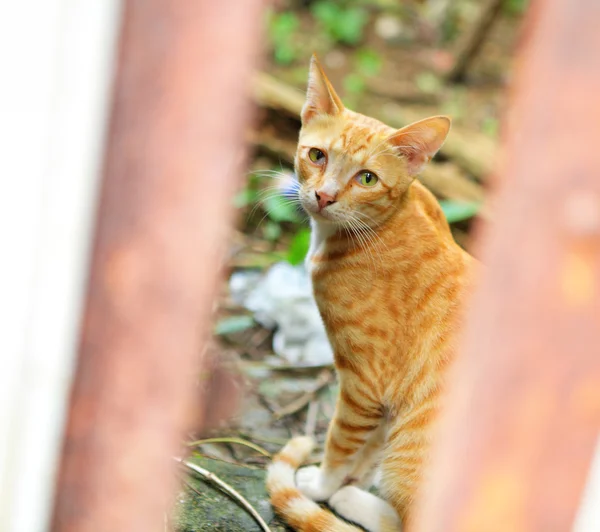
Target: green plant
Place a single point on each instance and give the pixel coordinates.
(354, 84)
(282, 28)
(298, 247)
(457, 211)
(246, 196)
(450, 25)
(341, 22)
(490, 126)
(234, 324)
(366, 63)
(280, 209)
(281, 219)
(428, 82)
(515, 7)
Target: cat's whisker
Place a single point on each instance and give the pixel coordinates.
(361, 236)
(263, 196)
(272, 171)
(359, 239)
(372, 231)
(274, 190)
(372, 239)
(262, 202)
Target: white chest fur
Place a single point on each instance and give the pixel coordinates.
(321, 231)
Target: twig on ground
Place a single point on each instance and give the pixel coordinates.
(311, 418)
(274, 441)
(230, 462)
(323, 379)
(223, 486)
(237, 441)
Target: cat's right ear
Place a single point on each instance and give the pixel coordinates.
(321, 99)
(420, 141)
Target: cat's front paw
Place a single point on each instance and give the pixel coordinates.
(344, 501)
(315, 485)
(365, 509)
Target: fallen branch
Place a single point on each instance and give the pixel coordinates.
(274, 94)
(401, 91)
(323, 379)
(223, 486)
(474, 40)
(447, 181)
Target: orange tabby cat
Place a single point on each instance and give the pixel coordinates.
(388, 278)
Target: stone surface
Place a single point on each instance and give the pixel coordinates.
(214, 510)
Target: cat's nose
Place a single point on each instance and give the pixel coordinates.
(324, 200)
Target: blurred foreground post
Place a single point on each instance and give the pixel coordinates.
(176, 141)
(524, 411)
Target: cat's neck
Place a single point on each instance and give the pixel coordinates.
(320, 234)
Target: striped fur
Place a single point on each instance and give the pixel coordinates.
(388, 279)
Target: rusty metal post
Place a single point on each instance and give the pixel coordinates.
(175, 144)
(524, 409)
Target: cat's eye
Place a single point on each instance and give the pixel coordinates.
(316, 155)
(367, 179)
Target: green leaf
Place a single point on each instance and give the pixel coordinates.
(245, 197)
(457, 211)
(285, 53)
(282, 28)
(299, 247)
(368, 62)
(272, 231)
(326, 12)
(349, 27)
(282, 25)
(281, 209)
(342, 24)
(354, 84)
(515, 7)
(234, 324)
(490, 126)
(428, 82)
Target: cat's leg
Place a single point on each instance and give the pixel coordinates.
(367, 461)
(404, 457)
(365, 509)
(356, 418)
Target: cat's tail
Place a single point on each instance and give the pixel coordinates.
(298, 510)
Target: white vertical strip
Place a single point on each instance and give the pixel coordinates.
(588, 517)
(57, 65)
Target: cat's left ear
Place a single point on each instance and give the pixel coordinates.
(420, 141)
(321, 98)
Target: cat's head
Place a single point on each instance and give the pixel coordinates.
(353, 169)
